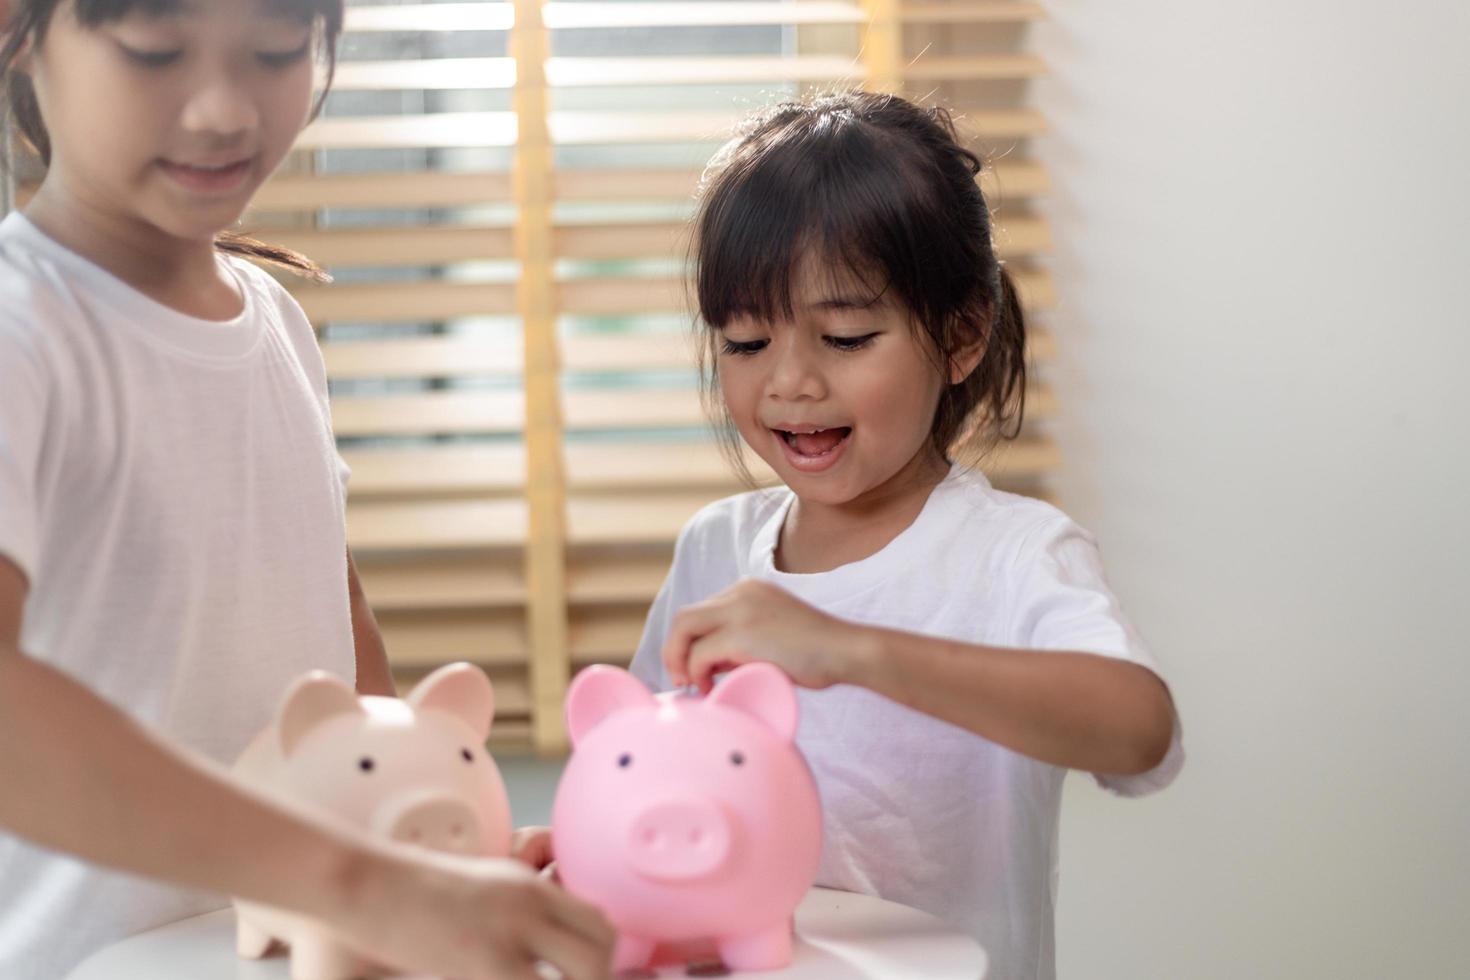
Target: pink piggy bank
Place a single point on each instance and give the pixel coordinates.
(688, 818)
(414, 771)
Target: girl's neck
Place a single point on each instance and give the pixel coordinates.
(819, 537)
(182, 274)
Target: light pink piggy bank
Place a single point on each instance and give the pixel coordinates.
(688, 818)
(414, 771)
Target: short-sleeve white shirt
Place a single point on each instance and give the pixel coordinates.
(917, 810)
(171, 490)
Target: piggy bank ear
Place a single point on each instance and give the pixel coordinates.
(461, 690)
(762, 690)
(601, 690)
(312, 700)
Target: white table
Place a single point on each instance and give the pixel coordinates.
(839, 936)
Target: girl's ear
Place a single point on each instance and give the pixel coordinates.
(966, 358)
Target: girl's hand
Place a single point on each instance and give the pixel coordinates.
(755, 620)
(478, 919)
(532, 846)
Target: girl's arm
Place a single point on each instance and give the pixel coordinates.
(1073, 709)
(374, 676)
(79, 776)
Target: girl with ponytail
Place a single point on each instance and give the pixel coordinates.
(957, 648)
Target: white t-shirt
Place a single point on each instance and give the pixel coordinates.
(917, 810)
(170, 488)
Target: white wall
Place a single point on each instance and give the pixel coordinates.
(1262, 210)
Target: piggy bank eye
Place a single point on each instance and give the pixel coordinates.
(624, 761)
(737, 759)
(466, 755)
(366, 763)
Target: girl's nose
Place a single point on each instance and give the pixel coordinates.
(796, 374)
(221, 107)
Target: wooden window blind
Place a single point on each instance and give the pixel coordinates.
(501, 191)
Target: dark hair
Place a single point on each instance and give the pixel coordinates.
(29, 21)
(881, 188)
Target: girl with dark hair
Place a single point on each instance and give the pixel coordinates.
(172, 543)
(958, 646)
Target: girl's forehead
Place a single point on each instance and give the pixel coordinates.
(96, 11)
(822, 281)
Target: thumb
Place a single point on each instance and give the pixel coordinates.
(532, 846)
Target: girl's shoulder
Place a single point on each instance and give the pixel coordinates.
(27, 276)
(740, 510)
(733, 522)
(32, 296)
(1012, 534)
(968, 498)
(266, 287)
(274, 300)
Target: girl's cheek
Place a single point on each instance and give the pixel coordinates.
(739, 396)
(287, 113)
(299, 96)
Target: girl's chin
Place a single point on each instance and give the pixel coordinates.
(202, 225)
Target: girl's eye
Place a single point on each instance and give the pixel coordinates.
(153, 59)
(283, 59)
(743, 348)
(851, 343)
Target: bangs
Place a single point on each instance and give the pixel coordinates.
(830, 190)
(91, 13)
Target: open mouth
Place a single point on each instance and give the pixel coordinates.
(815, 443)
(811, 448)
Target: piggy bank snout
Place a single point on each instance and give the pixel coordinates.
(679, 839)
(436, 821)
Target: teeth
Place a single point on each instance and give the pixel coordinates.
(790, 435)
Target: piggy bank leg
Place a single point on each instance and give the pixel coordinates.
(766, 950)
(319, 958)
(251, 941)
(632, 952)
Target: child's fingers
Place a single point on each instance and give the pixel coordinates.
(711, 655)
(688, 626)
(532, 846)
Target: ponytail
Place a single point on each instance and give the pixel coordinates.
(1008, 336)
(987, 405)
(235, 243)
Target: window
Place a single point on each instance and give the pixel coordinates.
(500, 190)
